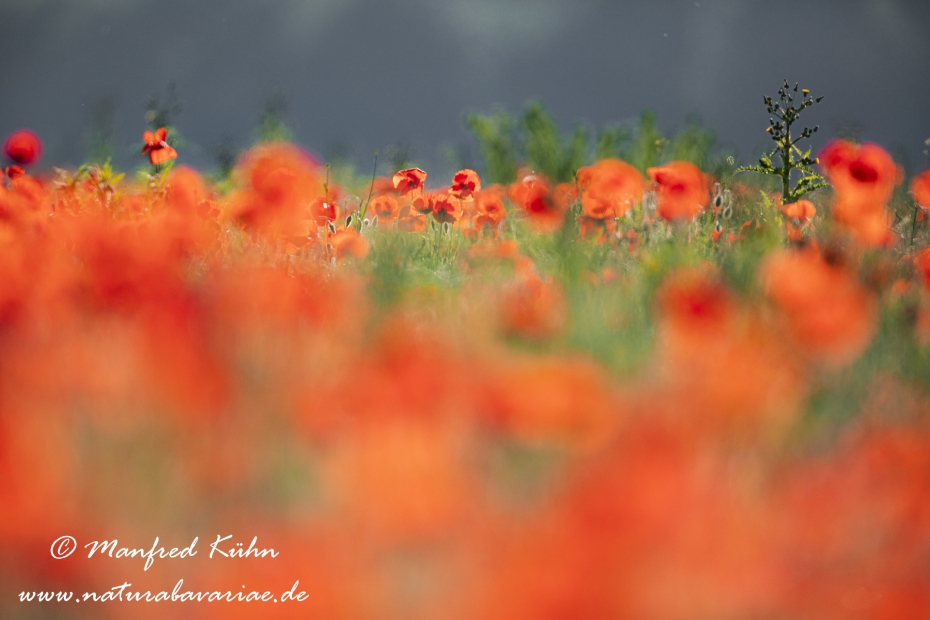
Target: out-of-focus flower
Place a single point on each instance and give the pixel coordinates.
(694, 302)
(609, 188)
(920, 190)
(720, 359)
(681, 190)
(865, 171)
(533, 307)
(799, 215)
(802, 210)
(186, 190)
(385, 207)
(489, 208)
(280, 182)
(13, 172)
(564, 401)
(859, 521)
(864, 178)
(23, 147)
(324, 212)
(531, 193)
(423, 204)
(489, 212)
(348, 243)
(411, 219)
(830, 313)
(156, 146)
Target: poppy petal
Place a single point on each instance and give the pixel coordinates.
(160, 156)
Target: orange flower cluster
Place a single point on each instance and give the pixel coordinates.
(179, 362)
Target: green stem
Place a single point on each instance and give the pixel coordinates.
(914, 227)
(371, 189)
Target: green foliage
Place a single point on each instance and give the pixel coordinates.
(225, 154)
(791, 157)
(645, 147)
(106, 175)
(400, 156)
(544, 151)
(101, 141)
(641, 146)
(271, 125)
(159, 112)
(610, 140)
(497, 144)
(693, 143)
(535, 140)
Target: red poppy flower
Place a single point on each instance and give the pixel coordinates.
(444, 210)
(532, 194)
(465, 183)
(159, 151)
(682, 190)
(409, 181)
(23, 147)
(864, 178)
(14, 171)
(865, 171)
(489, 208)
(802, 210)
(920, 190)
(323, 212)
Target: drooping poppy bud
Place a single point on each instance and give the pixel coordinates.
(23, 147)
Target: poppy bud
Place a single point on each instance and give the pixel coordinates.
(23, 147)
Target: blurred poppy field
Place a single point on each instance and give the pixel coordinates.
(570, 385)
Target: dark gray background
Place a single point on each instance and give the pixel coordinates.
(360, 75)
